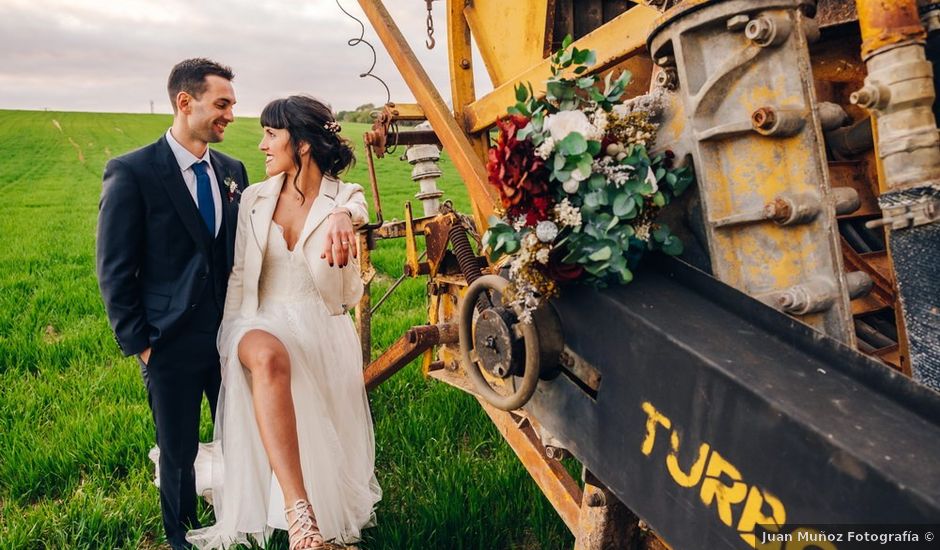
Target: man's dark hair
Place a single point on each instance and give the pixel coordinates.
(190, 75)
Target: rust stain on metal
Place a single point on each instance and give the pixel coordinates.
(436, 239)
(551, 477)
(887, 22)
(835, 12)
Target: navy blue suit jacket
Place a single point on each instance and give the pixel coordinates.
(154, 255)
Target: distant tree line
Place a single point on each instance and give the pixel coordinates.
(362, 113)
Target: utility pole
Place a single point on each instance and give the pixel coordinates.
(151, 106)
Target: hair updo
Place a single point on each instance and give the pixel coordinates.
(309, 120)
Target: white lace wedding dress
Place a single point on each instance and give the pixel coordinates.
(334, 426)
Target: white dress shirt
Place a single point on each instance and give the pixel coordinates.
(186, 160)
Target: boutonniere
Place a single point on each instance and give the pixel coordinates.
(232, 186)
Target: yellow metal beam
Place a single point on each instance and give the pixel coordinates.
(551, 477)
(460, 55)
(615, 41)
(510, 35)
(461, 152)
(407, 111)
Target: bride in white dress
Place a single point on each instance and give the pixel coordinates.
(294, 443)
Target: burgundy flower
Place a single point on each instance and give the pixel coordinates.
(518, 174)
(559, 271)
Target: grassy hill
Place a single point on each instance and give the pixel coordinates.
(75, 428)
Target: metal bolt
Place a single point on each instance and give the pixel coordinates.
(556, 453)
(667, 78)
(595, 498)
(777, 210)
(869, 97)
(464, 63)
(759, 30)
(764, 118)
(490, 342)
(737, 23)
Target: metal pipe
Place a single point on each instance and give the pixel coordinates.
(886, 23)
(412, 344)
(849, 141)
(899, 91)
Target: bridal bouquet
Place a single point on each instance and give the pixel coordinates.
(578, 188)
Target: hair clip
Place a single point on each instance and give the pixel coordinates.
(333, 127)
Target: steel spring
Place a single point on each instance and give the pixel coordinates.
(467, 259)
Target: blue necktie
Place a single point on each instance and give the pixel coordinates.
(204, 196)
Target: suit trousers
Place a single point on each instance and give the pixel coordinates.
(180, 371)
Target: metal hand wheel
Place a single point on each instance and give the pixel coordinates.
(502, 345)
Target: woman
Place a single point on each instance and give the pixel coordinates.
(295, 432)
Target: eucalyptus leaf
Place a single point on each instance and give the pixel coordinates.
(573, 144)
(623, 204)
(614, 220)
(673, 246)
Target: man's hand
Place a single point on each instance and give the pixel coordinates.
(341, 239)
(145, 356)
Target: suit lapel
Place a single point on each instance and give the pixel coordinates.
(170, 176)
(221, 173)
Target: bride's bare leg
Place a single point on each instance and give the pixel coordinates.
(269, 363)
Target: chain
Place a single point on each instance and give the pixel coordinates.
(430, 42)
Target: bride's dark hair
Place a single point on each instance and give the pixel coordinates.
(310, 120)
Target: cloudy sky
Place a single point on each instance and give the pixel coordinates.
(115, 55)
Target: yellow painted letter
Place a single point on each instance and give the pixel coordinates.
(655, 417)
(753, 515)
(724, 495)
(692, 478)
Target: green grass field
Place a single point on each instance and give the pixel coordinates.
(74, 424)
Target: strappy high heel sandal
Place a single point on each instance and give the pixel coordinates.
(304, 527)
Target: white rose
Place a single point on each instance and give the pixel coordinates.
(562, 123)
(571, 186)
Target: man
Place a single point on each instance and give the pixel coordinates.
(166, 233)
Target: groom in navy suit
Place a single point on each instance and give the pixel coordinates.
(165, 245)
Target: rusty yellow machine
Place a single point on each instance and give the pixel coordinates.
(781, 375)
